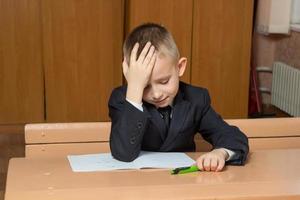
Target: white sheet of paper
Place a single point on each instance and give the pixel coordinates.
(105, 161)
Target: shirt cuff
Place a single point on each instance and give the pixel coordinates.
(229, 152)
(137, 105)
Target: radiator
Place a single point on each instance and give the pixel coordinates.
(286, 88)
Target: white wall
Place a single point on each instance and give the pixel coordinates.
(295, 14)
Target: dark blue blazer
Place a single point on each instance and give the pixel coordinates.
(133, 130)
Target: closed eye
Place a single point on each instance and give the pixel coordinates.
(165, 81)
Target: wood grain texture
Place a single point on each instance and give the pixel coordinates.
(47, 133)
(21, 72)
(274, 143)
(257, 143)
(221, 53)
(65, 149)
(54, 180)
(175, 15)
(82, 55)
(68, 138)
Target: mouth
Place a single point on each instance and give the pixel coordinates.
(160, 101)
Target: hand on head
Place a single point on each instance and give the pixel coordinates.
(139, 71)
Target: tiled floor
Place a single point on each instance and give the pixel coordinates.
(269, 111)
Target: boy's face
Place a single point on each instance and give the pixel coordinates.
(164, 81)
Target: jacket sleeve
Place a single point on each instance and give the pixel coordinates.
(221, 135)
(128, 127)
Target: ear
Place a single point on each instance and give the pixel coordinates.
(125, 60)
(181, 66)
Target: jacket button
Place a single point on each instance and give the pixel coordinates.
(132, 140)
(139, 125)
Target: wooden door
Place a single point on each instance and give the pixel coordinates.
(21, 70)
(82, 55)
(175, 15)
(221, 53)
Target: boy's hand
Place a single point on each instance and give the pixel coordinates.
(212, 161)
(139, 71)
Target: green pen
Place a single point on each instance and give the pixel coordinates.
(183, 170)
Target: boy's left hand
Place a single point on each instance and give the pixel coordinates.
(212, 161)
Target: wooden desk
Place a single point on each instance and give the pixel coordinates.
(269, 174)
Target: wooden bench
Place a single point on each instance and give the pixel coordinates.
(61, 139)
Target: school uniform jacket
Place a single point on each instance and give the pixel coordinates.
(133, 130)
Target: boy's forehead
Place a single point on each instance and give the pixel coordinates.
(163, 67)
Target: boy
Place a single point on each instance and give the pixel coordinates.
(158, 112)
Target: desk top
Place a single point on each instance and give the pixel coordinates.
(269, 174)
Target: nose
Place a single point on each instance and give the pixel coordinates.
(156, 94)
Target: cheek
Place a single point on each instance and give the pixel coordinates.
(172, 88)
(146, 94)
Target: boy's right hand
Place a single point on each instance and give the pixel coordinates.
(139, 71)
(212, 161)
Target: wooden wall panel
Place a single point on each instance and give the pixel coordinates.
(21, 72)
(83, 56)
(12, 144)
(221, 53)
(175, 15)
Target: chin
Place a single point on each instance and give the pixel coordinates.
(163, 104)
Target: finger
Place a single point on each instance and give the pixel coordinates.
(144, 52)
(152, 62)
(221, 165)
(149, 55)
(133, 53)
(213, 164)
(200, 163)
(206, 164)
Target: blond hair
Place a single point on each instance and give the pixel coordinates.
(159, 37)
